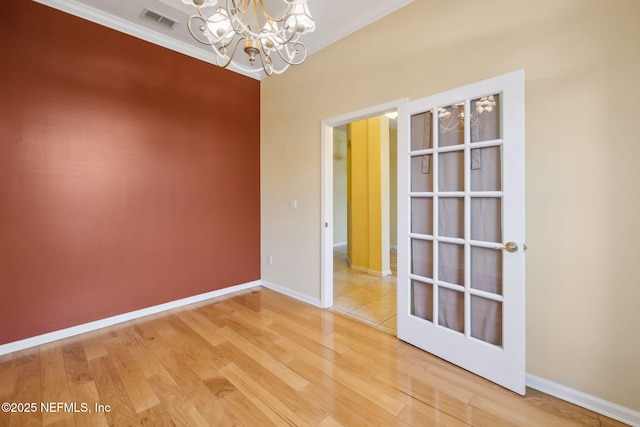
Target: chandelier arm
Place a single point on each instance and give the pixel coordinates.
(266, 14)
(200, 13)
(237, 19)
(230, 57)
(286, 38)
(267, 63)
(255, 11)
(294, 49)
(206, 43)
(293, 38)
(244, 6)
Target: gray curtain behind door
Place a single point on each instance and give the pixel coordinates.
(486, 264)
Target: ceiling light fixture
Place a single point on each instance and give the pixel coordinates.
(274, 40)
(451, 118)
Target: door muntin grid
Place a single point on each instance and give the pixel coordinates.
(456, 217)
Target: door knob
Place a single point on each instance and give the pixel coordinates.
(509, 247)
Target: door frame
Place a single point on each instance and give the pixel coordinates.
(326, 189)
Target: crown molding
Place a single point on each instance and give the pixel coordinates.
(357, 22)
(83, 11)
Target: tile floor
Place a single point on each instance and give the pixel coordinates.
(365, 297)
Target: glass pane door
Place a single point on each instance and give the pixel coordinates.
(456, 206)
(460, 285)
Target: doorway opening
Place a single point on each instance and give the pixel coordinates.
(359, 246)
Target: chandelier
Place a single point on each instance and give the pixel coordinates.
(451, 118)
(272, 40)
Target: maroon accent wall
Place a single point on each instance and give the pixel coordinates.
(129, 173)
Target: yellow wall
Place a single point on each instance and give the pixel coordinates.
(582, 62)
(358, 194)
(368, 195)
(393, 187)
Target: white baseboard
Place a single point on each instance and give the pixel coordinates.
(378, 273)
(587, 401)
(339, 245)
(110, 321)
(293, 294)
(601, 406)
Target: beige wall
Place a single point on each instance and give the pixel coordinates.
(582, 62)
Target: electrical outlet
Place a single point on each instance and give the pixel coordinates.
(270, 260)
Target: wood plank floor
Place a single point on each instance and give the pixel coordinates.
(259, 358)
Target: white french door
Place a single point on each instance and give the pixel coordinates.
(461, 290)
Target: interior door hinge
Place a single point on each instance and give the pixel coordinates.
(524, 246)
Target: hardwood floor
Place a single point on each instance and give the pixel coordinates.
(259, 358)
(365, 297)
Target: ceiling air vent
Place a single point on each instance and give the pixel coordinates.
(158, 19)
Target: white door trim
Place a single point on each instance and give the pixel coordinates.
(326, 189)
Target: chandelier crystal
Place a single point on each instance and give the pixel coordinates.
(272, 41)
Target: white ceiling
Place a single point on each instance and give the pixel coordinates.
(335, 19)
